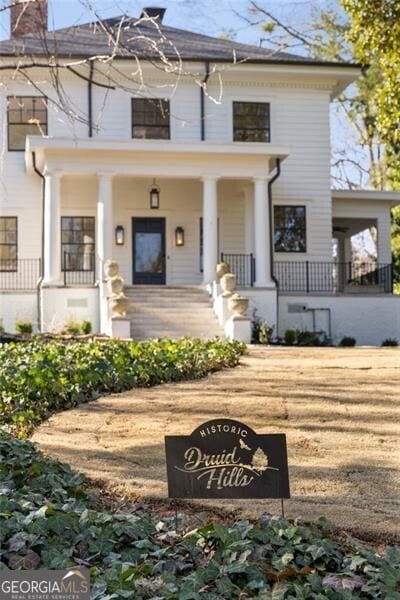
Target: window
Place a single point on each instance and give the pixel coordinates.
(290, 228)
(77, 243)
(27, 115)
(251, 122)
(8, 243)
(150, 119)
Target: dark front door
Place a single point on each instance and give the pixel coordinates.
(148, 250)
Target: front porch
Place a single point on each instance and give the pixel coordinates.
(214, 196)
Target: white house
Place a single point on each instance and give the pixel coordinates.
(177, 150)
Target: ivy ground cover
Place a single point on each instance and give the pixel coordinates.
(48, 520)
(38, 379)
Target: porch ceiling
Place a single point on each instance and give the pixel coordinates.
(153, 158)
(351, 226)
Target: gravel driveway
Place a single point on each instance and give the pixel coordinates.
(340, 410)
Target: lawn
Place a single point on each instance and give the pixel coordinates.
(339, 408)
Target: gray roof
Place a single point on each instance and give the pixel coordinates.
(92, 39)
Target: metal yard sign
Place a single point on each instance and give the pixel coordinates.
(226, 459)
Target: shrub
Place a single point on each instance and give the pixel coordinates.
(390, 342)
(24, 327)
(307, 338)
(289, 337)
(72, 327)
(297, 337)
(38, 379)
(86, 327)
(261, 332)
(347, 342)
(48, 520)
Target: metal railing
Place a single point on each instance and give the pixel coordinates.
(334, 277)
(79, 269)
(243, 266)
(19, 274)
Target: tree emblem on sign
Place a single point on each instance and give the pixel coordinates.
(260, 460)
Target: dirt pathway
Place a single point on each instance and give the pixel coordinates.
(340, 409)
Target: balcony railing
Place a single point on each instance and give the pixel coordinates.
(310, 277)
(334, 277)
(19, 274)
(243, 266)
(79, 269)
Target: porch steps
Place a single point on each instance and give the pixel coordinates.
(171, 311)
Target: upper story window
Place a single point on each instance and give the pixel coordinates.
(290, 228)
(150, 119)
(251, 122)
(27, 115)
(8, 244)
(77, 243)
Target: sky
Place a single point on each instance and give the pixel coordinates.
(205, 16)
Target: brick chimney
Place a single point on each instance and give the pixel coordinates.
(154, 12)
(28, 16)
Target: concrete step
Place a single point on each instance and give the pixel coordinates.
(175, 312)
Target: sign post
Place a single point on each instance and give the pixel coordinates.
(227, 459)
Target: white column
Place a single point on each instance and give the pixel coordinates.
(210, 228)
(347, 249)
(249, 220)
(383, 242)
(52, 228)
(104, 229)
(262, 232)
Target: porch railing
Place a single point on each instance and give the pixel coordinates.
(243, 266)
(334, 277)
(79, 269)
(19, 274)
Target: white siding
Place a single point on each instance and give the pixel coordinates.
(300, 120)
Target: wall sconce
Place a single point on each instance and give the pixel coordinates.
(179, 236)
(154, 195)
(119, 235)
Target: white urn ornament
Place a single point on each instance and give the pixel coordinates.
(228, 284)
(238, 304)
(115, 285)
(111, 268)
(119, 304)
(221, 269)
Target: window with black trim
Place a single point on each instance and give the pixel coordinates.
(290, 228)
(251, 122)
(77, 243)
(8, 244)
(150, 119)
(26, 115)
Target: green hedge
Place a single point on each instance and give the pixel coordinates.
(38, 379)
(47, 520)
